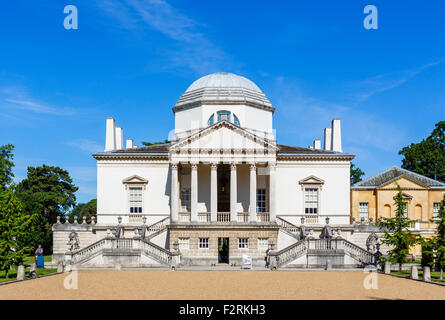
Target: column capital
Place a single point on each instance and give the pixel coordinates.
(252, 166)
(214, 165)
(272, 165)
(194, 165)
(233, 165)
(174, 165)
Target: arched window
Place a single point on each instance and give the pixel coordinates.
(211, 120)
(235, 120)
(223, 115)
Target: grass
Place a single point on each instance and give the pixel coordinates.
(31, 259)
(12, 274)
(407, 273)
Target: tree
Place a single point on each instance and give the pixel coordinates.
(396, 233)
(356, 174)
(75, 212)
(428, 156)
(154, 143)
(439, 239)
(6, 165)
(427, 252)
(46, 193)
(13, 225)
(51, 189)
(87, 210)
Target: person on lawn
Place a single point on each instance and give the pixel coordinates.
(39, 256)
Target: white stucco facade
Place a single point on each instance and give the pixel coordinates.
(221, 186)
(223, 120)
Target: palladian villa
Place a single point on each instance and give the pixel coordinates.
(223, 190)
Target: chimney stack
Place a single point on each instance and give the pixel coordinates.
(336, 136)
(129, 144)
(317, 144)
(327, 138)
(110, 135)
(119, 138)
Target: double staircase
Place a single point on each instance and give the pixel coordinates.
(139, 245)
(281, 258)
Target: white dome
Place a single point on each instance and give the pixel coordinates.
(223, 88)
(223, 80)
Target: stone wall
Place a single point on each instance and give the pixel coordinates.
(196, 256)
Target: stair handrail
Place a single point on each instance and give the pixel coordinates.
(286, 225)
(160, 225)
(358, 252)
(88, 251)
(157, 252)
(292, 252)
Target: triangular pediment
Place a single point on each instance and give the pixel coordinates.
(223, 136)
(404, 183)
(311, 180)
(135, 179)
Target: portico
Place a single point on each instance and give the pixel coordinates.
(244, 210)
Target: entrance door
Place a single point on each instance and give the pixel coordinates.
(223, 250)
(223, 188)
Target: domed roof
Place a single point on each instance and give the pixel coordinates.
(223, 88)
(223, 80)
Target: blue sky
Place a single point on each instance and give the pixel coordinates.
(132, 60)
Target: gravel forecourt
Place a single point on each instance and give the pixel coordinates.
(221, 285)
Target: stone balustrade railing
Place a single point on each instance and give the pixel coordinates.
(156, 252)
(75, 221)
(158, 226)
(162, 255)
(288, 254)
(279, 258)
(286, 225)
(89, 251)
(223, 217)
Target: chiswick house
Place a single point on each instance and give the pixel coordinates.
(220, 188)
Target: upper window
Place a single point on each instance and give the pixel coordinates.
(136, 200)
(261, 200)
(363, 211)
(436, 207)
(311, 200)
(405, 209)
(223, 115)
(186, 195)
(235, 120)
(211, 120)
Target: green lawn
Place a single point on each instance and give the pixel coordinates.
(31, 259)
(407, 273)
(12, 275)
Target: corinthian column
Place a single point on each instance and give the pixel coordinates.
(213, 192)
(272, 192)
(194, 193)
(252, 213)
(233, 192)
(174, 193)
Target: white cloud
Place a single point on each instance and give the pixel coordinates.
(86, 145)
(388, 81)
(34, 106)
(306, 117)
(192, 48)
